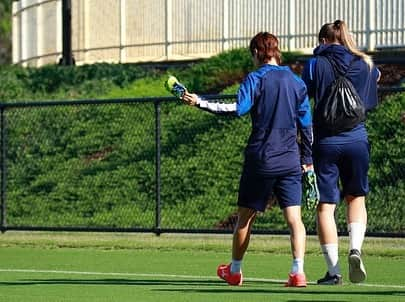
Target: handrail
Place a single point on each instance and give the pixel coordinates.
(51, 103)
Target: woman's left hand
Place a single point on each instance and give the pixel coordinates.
(309, 167)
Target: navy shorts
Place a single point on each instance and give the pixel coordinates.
(347, 162)
(255, 190)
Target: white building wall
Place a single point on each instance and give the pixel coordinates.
(156, 30)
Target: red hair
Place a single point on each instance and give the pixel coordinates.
(266, 47)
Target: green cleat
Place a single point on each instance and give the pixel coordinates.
(310, 192)
(175, 87)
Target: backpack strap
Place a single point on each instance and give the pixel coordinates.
(335, 69)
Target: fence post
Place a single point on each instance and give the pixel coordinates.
(123, 31)
(157, 167)
(370, 25)
(25, 42)
(168, 26)
(16, 32)
(67, 56)
(40, 34)
(291, 25)
(225, 36)
(3, 147)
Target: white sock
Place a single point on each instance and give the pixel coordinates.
(236, 266)
(357, 231)
(297, 266)
(331, 255)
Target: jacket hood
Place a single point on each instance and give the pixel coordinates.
(337, 53)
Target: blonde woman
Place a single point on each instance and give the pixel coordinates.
(341, 156)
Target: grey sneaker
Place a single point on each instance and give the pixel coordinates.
(357, 272)
(330, 280)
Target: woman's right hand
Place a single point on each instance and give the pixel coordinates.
(190, 98)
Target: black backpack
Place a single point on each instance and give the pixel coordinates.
(341, 108)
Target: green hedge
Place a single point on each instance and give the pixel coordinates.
(122, 80)
(68, 82)
(387, 171)
(95, 165)
(5, 31)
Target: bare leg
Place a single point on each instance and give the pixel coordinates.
(356, 209)
(327, 232)
(292, 216)
(232, 273)
(241, 235)
(296, 277)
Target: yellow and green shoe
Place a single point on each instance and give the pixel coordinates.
(175, 87)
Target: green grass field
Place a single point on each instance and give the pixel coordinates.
(143, 267)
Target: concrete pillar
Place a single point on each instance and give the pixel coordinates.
(291, 25)
(123, 31)
(40, 33)
(168, 26)
(225, 37)
(371, 24)
(16, 32)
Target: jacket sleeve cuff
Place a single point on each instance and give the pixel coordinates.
(306, 160)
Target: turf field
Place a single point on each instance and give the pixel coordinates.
(143, 267)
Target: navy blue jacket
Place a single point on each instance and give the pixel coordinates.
(318, 75)
(279, 107)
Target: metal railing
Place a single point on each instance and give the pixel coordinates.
(128, 165)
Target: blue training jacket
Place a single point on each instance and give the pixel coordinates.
(279, 107)
(318, 75)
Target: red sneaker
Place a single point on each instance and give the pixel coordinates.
(296, 280)
(224, 272)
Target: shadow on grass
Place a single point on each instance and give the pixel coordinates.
(212, 286)
(109, 282)
(344, 295)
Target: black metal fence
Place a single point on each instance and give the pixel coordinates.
(129, 165)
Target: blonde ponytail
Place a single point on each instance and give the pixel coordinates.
(347, 40)
(339, 32)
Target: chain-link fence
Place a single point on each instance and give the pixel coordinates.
(155, 165)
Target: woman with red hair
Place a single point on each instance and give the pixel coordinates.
(279, 108)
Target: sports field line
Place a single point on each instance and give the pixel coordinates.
(35, 271)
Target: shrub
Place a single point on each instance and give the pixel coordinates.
(68, 82)
(95, 165)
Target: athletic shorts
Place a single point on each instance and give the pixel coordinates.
(345, 162)
(256, 190)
